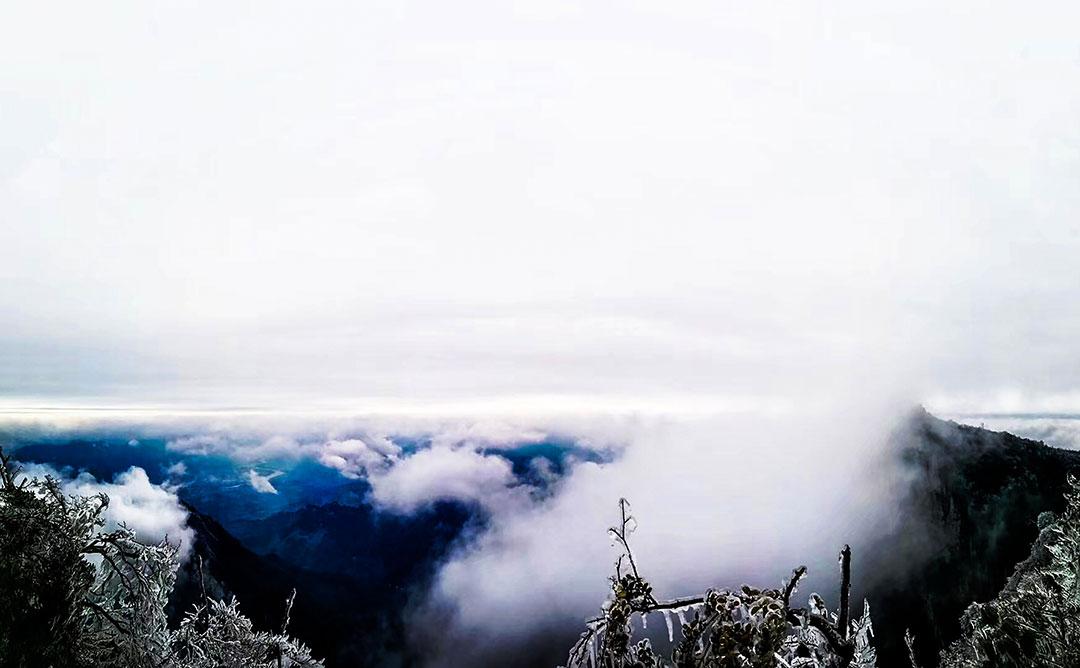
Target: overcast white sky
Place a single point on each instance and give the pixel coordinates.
(306, 204)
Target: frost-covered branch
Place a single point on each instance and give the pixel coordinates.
(1035, 620)
(743, 627)
(845, 591)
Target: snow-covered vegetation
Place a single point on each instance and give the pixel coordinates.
(722, 628)
(75, 595)
(1035, 621)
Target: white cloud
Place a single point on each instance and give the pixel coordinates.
(442, 473)
(202, 444)
(489, 433)
(177, 470)
(261, 483)
(719, 501)
(241, 446)
(356, 458)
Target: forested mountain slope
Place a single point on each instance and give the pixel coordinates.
(968, 517)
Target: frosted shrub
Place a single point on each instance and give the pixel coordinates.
(722, 629)
(73, 595)
(216, 634)
(1035, 621)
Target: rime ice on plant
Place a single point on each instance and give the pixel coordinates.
(1035, 620)
(75, 595)
(740, 628)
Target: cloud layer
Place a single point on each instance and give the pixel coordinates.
(261, 483)
(636, 204)
(355, 457)
(719, 501)
(442, 473)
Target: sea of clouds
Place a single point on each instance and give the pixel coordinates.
(720, 499)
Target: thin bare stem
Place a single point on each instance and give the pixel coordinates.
(621, 532)
(909, 640)
(202, 579)
(288, 611)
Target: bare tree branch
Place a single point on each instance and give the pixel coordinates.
(844, 619)
(796, 576)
